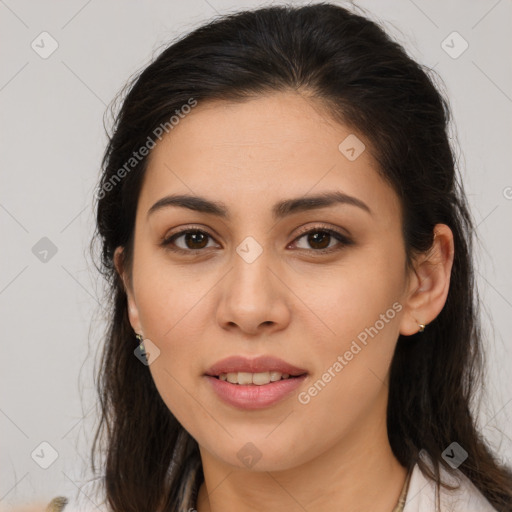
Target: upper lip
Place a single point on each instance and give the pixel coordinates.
(235, 364)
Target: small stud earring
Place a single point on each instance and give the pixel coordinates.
(141, 342)
(422, 327)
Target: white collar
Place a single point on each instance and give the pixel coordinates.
(422, 493)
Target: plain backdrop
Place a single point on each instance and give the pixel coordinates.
(52, 140)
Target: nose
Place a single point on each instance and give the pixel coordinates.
(254, 298)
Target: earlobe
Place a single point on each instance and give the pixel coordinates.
(430, 283)
(133, 314)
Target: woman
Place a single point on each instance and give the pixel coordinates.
(288, 249)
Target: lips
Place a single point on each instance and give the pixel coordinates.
(252, 398)
(259, 364)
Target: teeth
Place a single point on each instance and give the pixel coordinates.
(259, 379)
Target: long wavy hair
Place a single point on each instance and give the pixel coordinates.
(368, 82)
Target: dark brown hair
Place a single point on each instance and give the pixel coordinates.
(368, 82)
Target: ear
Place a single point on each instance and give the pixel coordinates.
(429, 282)
(133, 312)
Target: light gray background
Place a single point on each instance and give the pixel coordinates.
(52, 140)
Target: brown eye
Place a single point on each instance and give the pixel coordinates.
(320, 240)
(195, 240)
(191, 240)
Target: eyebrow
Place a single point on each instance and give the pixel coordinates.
(280, 210)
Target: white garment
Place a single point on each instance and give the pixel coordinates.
(422, 494)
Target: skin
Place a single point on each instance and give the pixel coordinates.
(333, 452)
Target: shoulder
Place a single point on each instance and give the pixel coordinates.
(57, 504)
(422, 493)
(74, 504)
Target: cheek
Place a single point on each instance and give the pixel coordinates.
(360, 304)
(351, 374)
(360, 295)
(166, 294)
(342, 403)
(171, 305)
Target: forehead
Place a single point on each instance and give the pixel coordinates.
(260, 150)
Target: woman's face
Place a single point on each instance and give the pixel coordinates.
(251, 283)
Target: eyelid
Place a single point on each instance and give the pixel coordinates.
(343, 239)
(324, 227)
(166, 240)
(188, 227)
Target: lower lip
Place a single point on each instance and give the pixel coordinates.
(253, 396)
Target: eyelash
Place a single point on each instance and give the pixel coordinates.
(167, 243)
